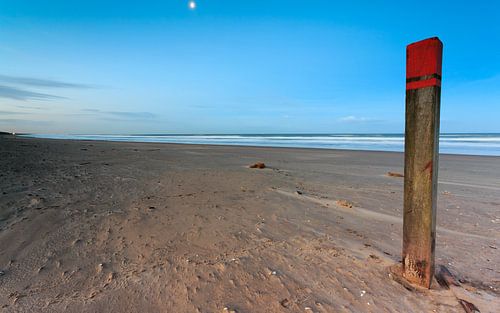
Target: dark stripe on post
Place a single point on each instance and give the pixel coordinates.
(423, 83)
(423, 93)
(425, 77)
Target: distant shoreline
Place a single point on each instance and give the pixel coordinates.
(477, 144)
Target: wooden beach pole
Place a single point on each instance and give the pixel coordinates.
(423, 97)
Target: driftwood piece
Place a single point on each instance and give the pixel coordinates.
(395, 174)
(345, 204)
(258, 165)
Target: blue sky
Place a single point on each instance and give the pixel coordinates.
(256, 66)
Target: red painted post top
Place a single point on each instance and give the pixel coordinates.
(423, 63)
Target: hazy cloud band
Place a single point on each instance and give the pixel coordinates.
(22, 94)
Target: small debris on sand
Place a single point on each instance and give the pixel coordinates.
(258, 165)
(285, 303)
(2, 273)
(445, 278)
(298, 192)
(227, 310)
(468, 307)
(271, 272)
(345, 204)
(446, 193)
(110, 278)
(100, 267)
(394, 174)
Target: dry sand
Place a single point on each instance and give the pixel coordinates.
(128, 227)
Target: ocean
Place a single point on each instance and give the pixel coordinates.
(471, 144)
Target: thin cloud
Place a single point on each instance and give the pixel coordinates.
(12, 113)
(28, 107)
(122, 114)
(22, 121)
(17, 120)
(40, 82)
(11, 120)
(355, 119)
(132, 114)
(202, 106)
(24, 95)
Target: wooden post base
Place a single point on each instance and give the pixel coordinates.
(396, 273)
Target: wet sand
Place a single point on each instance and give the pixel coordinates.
(130, 227)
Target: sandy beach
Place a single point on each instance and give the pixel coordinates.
(91, 226)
